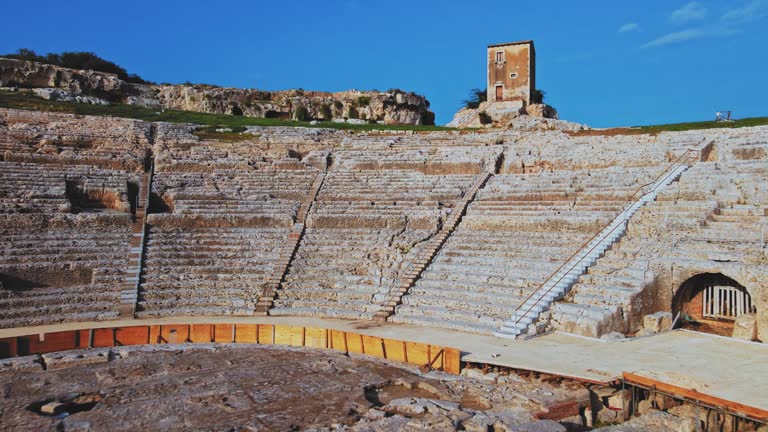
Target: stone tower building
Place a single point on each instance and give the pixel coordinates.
(511, 73)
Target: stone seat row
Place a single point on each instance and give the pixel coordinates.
(613, 295)
(202, 270)
(475, 266)
(376, 211)
(16, 205)
(345, 272)
(233, 207)
(50, 305)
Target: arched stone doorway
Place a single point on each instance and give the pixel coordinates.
(711, 302)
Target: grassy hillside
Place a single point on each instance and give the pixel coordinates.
(23, 100)
(677, 127)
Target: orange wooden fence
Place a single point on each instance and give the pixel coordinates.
(437, 357)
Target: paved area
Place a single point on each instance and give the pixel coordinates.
(723, 367)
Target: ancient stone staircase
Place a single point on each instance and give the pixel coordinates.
(414, 271)
(288, 250)
(559, 282)
(130, 291)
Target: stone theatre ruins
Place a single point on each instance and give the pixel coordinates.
(169, 275)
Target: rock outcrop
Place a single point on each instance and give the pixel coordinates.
(392, 107)
(512, 115)
(87, 86)
(27, 74)
(745, 327)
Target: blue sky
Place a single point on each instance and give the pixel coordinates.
(605, 63)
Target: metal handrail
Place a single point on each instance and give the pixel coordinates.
(669, 170)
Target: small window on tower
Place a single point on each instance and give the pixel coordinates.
(499, 56)
(513, 75)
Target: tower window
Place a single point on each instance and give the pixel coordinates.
(513, 75)
(499, 56)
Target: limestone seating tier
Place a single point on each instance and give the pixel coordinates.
(706, 223)
(345, 272)
(220, 246)
(425, 159)
(235, 192)
(546, 151)
(562, 280)
(478, 276)
(45, 257)
(53, 305)
(104, 141)
(206, 270)
(516, 212)
(41, 188)
(386, 199)
(392, 185)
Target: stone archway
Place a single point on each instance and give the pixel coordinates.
(711, 302)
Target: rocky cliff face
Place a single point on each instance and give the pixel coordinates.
(15, 73)
(512, 115)
(391, 107)
(394, 107)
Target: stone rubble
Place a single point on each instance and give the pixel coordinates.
(178, 387)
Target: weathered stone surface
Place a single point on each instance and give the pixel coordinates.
(15, 365)
(17, 73)
(658, 322)
(657, 421)
(85, 86)
(613, 336)
(539, 426)
(536, 117)
(67, 359)
(65, 96)
(645, 332)
(541, 110)
(396, 107)
(745, 327)
(218, 387)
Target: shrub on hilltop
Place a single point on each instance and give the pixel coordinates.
(77, 60)
(363, 101)
(476, 97)
(537, 96)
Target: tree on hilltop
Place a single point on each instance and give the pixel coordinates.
(476, 97)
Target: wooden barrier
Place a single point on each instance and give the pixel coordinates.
(694, 395)
(424, 355)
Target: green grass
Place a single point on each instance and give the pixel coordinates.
(678, 127)
(23, 100)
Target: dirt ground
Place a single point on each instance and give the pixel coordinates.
(248, 388)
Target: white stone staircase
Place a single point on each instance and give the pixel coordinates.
(558, 284)
(413, 272)
(288, 250)
(129, 293)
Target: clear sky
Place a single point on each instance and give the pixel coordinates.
(604, 63)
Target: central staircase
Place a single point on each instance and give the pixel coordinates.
(559, 282)
(413, 272)
(129, 293)
(287, 252)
